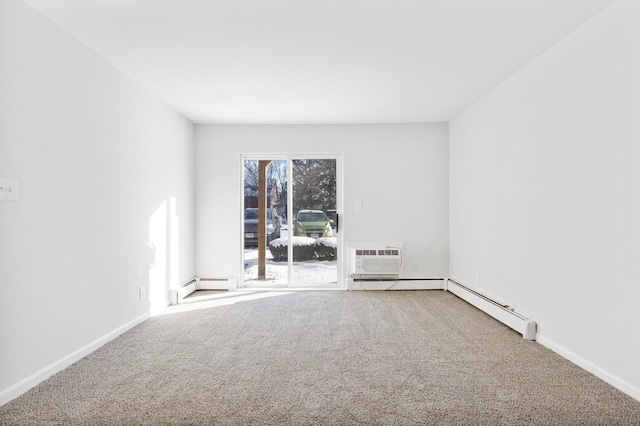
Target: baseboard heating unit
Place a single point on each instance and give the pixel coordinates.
(503, 313)
(388, 282)
(178, 295)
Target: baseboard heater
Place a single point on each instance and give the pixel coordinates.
(178, 295)
(392, 282)
(503, 313)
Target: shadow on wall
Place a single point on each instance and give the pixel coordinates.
(164, 226)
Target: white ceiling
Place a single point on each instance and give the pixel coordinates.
(319, 61)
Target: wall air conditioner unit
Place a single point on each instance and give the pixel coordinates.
(376, 262)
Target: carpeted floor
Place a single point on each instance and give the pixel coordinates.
(323, 358)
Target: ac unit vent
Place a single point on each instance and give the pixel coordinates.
(385, 252)
(376, 261)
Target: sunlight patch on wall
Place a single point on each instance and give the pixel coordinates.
(164, 272)
(158, 270)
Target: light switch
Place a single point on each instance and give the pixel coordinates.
(8, 189)
(358, 206)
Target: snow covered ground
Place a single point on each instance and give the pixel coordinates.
(311, 272)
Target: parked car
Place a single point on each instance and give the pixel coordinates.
(251, 226)
(312, 223)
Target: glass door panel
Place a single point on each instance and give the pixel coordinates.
(314, 223)
(265, 223)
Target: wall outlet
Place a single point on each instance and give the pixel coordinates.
(8, 189)
(143, 292)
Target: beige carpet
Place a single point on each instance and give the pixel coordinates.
(323, 358)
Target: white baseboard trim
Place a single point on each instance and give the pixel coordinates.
(611, 379)
(31, 381)
(410, 284)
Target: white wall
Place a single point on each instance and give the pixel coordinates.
(96, 157)
(398, 172)
(545, 195)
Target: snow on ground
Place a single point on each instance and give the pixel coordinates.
(297, 241)
(310, 272)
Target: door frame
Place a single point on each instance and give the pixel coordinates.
(289, 157)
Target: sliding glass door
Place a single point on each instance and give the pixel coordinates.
(291, 231)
